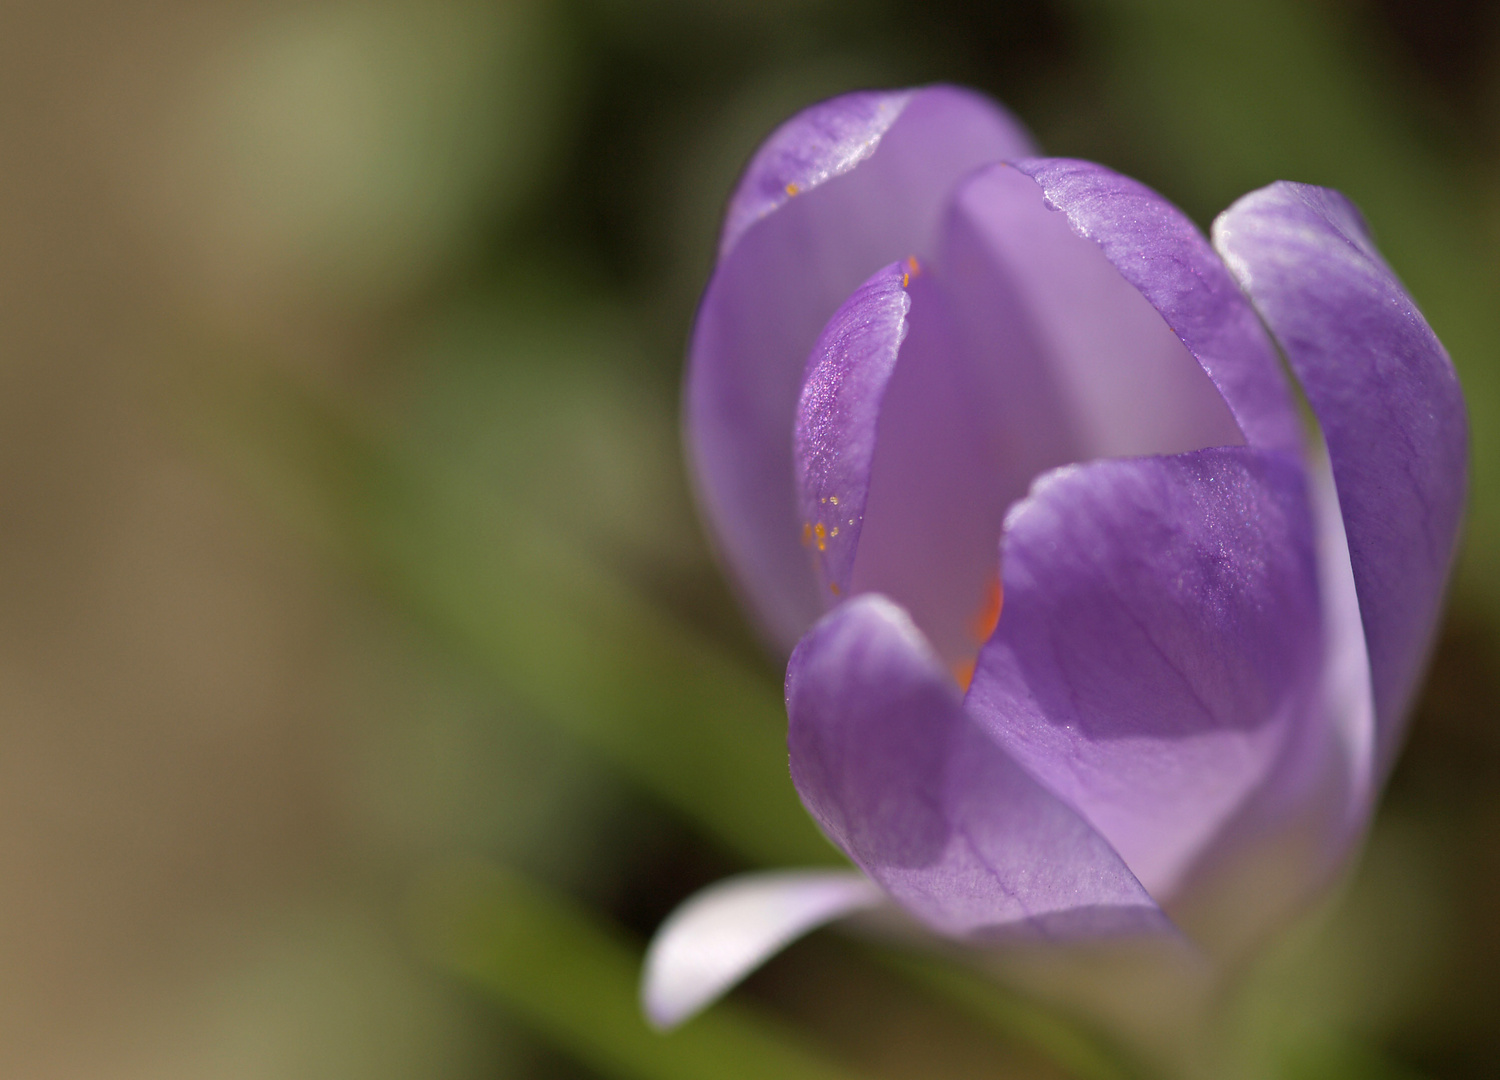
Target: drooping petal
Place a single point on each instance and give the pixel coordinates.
(1391, 410)
(721, 934)
(871, 173)
(899, 776)
(1160, 643)
(1156, 248)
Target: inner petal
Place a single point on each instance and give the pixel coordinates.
(1026, 350)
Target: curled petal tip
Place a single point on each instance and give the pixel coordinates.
(721, 934)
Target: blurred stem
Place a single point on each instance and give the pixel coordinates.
(574, 982)
(1081, 1051)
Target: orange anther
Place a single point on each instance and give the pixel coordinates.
(987, 616)
(963, 674)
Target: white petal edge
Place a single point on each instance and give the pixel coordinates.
(1349, 693)
(722, 933)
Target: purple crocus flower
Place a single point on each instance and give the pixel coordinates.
(1082, 616)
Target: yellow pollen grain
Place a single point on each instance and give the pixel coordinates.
(833, 499)
(912, 265)
(822, 534)
(792, 189)
(833, 531)
(905, 280)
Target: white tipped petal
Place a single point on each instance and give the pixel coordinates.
(721, 934)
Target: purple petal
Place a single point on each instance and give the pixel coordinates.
(1388, 401)
(1161, 641)
(834, 434)
(897, 773)
(1289, 841)
(721, 934)
(1026, 350)
(786, 265)
(1160, 251)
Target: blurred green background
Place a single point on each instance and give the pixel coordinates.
(367, 691)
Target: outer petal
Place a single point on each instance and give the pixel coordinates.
(1390, 406)
(1160, 644)
(1160, 251)
(721, 934)
(871, 172)
(899, 776)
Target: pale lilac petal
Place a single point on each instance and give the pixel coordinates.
(832, 137)
(1156, 248)
(1027, 350)
(1391, 410)
(959, 426)
(723, 933)
(834, 435)
(787, 264)
(1348, 695)
(1292, 836)
(1160, 644)
(897, 773)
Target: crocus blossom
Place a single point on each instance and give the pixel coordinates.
(1079, 609)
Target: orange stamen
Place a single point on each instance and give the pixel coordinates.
(984, 620)
(963, 673)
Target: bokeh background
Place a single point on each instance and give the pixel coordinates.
(367, 690)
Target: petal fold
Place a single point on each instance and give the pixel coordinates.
(722, 933)
(1159, 250)
(1160, 646)
(871, 173)
(1389, 403)
(895, 771)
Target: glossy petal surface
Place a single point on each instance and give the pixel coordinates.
(1161, 638)
(899, 776)
(721, 934)
(1160, 251)
(787, 262)
(1391, 410)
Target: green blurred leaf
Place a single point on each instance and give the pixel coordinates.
(529, 605)
(575, 983)
(1083, 1052)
